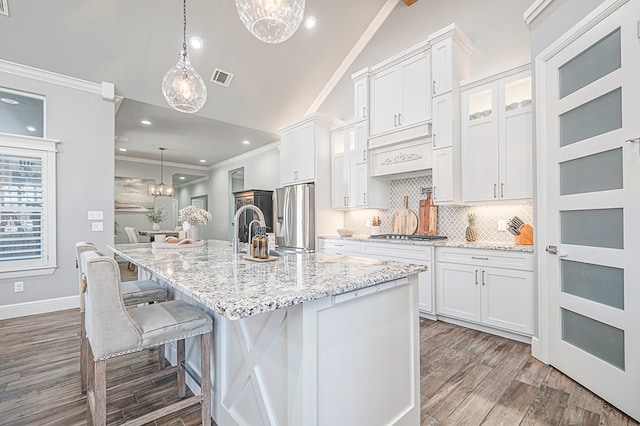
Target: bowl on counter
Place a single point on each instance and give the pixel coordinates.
(345, 232)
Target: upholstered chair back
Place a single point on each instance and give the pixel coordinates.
(109, 326)
(132, 233)
(81, 247)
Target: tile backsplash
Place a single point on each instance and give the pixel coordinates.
(452, 220)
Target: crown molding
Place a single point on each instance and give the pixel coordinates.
(157, 162)
(58, 79)
(249, 154)
(534, 10)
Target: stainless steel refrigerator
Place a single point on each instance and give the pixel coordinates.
(294, 217)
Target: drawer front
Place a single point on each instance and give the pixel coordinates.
(340, 246)
(405, 253)
(486, 258)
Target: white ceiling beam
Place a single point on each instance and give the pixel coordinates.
(357, 48)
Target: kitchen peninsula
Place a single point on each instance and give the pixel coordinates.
(309, 339)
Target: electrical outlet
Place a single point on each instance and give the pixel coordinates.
(502, 224)
(18, 286)
(368, 224)
(97, 226)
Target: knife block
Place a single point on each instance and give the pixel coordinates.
(526, 236)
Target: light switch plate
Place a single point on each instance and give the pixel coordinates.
(502, 224)
(95, 215)
(97, 226)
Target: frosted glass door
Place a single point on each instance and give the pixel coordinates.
(589, 187)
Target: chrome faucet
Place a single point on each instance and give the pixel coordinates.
(235, 223)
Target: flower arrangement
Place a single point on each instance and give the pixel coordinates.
(194, 215)
(157, 216)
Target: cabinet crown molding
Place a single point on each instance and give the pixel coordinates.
(311, 117)
(453, 31)
(416, 49)
(496, 74)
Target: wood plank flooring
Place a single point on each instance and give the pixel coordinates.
(467, 378)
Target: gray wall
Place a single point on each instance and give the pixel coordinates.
(84, 124)
(495, 26)
(183, 196)
(556, 20)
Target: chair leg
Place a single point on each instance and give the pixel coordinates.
(182, 387)
(100, 392)
(162, 361)
(205, 378)
(83, 355)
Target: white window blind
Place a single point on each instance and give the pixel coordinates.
(21, 207)
(27, 205)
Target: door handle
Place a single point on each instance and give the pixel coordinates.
(476, 277)
(554, 250)
(395, 120)
(502, 190)
(483, 283)
(434, 87)
(399, 117)
(632, 140)
(495, 194)
(364, 155)
(433, 191)
(365, 198)
(364, 112)
(434, 140)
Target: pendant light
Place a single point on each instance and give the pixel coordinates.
(182, 86)
(161, 190)
(271, 21)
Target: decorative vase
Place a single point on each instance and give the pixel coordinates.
(156, 227)
(192, 232)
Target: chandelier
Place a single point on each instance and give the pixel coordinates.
(161, 190)
(182, 87)
(271, 21)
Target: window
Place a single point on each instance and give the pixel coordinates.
(27, 206)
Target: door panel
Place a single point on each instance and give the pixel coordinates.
(588, 189)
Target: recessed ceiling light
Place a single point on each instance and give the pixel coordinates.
(203, 161)
(246, 142)
(196, 42)
(31, 128)
(182, 178)
(9, 101)
(145, 122)
(310, 22)
(122, 149)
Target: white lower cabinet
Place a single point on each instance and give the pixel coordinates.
(421, 255)
(473, 285)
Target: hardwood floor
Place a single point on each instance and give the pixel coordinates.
(467, 378)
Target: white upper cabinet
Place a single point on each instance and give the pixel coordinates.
(297, 154)
(400, 94)
(351, 186)
(361, 96)
(442, 129)
(304, 151)
(496, 137)
(442, 66)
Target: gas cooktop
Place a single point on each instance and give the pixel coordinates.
(408, 237)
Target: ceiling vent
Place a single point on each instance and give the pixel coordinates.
(223, 78)
(4, 7)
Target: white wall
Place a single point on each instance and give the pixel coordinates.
(495, 26)
(261, 171)
(84, 123)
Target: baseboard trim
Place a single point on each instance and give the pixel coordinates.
(486, 329)
(18, 310)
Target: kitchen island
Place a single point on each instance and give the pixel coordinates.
(312, 339)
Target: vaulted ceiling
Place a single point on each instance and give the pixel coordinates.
(133, 43)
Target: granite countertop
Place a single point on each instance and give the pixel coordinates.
(485, 245)
(237, 288)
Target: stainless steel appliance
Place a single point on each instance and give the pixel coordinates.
(293, 212)
(408, 237)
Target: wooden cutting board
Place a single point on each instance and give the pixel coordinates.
(428, 217)
(404, 220)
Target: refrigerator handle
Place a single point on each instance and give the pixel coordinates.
(286, 207)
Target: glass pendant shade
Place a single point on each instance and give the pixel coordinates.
(271, 21)
(183, 88)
